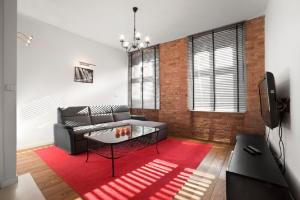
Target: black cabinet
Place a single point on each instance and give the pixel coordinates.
(258, 177)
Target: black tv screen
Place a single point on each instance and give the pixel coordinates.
(268, 101)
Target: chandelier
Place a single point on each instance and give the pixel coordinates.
(136, 44)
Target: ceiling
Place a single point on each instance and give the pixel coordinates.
(162, 20)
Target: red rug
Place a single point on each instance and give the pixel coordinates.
(142, 174)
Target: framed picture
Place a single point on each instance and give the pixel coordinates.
(83, 75)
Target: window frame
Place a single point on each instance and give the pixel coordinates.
(191, 57)
(155, 77)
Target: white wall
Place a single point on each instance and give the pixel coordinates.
(283, 59)
(46, 73)
(8, 65)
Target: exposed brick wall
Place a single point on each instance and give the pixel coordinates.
(208, 125)
(216, 126)
(150, 114)
(173, 86)
(255, 60)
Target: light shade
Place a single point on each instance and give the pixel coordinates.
(136, 44)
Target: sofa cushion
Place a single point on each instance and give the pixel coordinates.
(101, 114)
(75, 116)
(121, 116)
(120, 112)
(160, 125)
(97, 127)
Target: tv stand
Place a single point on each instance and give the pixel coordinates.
(256, 177)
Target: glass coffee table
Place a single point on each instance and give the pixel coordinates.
(116, 142)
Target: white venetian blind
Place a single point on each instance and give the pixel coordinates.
(143, 79)
(217, 75)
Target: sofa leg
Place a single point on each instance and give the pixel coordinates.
(87, 150)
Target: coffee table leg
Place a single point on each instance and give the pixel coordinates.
(87, 150)
(156, 142)
(112, 160)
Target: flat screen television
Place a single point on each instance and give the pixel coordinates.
(268, 101)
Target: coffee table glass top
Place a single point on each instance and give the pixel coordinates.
(120, 134)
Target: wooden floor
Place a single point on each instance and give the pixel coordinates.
(206, 183)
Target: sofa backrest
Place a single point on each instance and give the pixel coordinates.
(120, 112)
(74, 116)
(101, 114)
(88, 115)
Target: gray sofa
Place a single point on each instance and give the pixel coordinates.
(74, 122)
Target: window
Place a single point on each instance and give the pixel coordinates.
(143, 79)
(217, 75)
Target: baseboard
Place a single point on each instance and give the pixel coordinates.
(8, 182)
(25, 147)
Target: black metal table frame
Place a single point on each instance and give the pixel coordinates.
(112, 149)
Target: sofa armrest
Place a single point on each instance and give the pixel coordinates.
(63, 137)
(139, 117)
(59, 125)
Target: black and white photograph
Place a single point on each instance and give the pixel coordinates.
(83, 75)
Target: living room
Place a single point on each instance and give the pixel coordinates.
(149, 102)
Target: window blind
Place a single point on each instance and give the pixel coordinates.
(143, 78)
(217, 75)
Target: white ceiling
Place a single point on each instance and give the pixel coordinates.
(162, 20)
